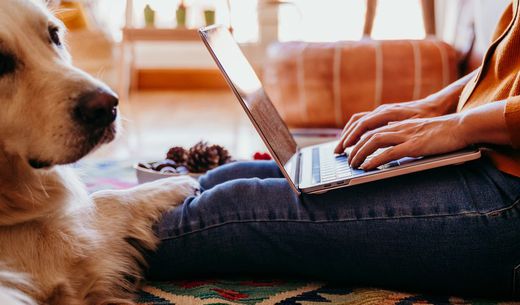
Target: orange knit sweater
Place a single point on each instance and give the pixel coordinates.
(498, 80)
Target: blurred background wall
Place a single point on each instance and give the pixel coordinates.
(257, 23)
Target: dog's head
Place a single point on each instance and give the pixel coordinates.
(50, 112)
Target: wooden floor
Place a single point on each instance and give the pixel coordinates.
(153, 121)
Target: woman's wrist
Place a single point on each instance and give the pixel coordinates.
(446, 101)
(439, 104)
(484, 125)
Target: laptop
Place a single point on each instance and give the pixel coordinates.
(315, 169)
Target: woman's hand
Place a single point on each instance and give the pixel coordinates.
(440, 103)
(431, 136)
(409, 138)
(364, 122)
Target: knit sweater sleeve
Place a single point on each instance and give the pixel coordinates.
(503, 22)
(512, 115)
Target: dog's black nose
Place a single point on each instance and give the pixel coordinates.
(96, 109)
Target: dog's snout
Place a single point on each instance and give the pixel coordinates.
(96, 109)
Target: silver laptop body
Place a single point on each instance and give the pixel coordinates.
(314, 169)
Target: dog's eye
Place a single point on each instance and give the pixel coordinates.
(7, 64)
(54, 34)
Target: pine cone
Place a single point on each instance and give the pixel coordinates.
(223, 154)
(177, 154)
(202, 158)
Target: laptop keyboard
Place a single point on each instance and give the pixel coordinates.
(328, 167)
(333, 167)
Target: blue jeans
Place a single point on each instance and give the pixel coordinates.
(450, 230)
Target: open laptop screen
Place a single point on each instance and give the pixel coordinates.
(248, 88)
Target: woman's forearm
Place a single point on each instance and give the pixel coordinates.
(485, 125)
(446, 100)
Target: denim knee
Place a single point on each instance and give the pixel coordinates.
(239, 170)
(206, 182)
(239, 197)
(216, 176)
(247, 199)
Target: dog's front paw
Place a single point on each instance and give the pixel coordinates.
(174, 190)
(182, 187)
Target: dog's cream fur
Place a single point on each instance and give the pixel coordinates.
(58, 245)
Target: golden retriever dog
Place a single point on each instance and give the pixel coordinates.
(58, 245)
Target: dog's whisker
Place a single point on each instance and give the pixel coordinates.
(43, 188)
(126, 119)
(33, 200)
(60, 10)
(101, 72)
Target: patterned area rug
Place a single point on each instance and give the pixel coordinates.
(282, 293)
(120, 175)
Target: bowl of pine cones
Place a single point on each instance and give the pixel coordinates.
(194, 162)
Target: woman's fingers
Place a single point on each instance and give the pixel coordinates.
(363, 122)
(356, 129)
(371, 144)
(364, 125)
(391, 154)
(367, 136)
(353, 119)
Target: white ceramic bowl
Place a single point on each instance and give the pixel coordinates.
(145, 175)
